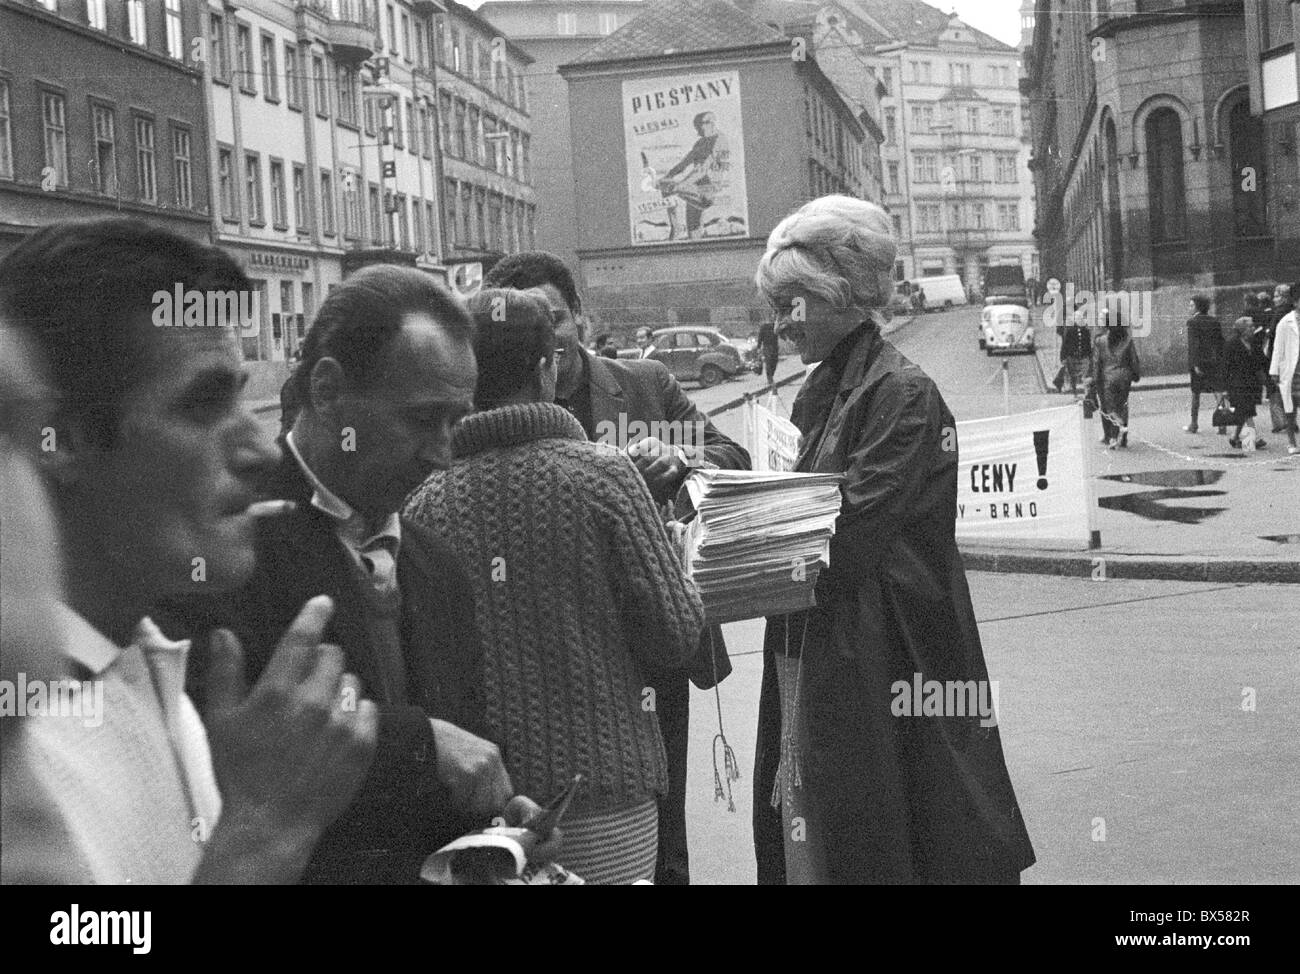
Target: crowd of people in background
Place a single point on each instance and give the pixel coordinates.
(1251, 364)
(438, 596)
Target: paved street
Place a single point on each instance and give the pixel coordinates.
(1119, 701)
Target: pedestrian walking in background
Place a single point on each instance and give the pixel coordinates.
(581, 596)
(769, 347)
(605, 346)
(1282, 305)
(1241, 376)
(1112, 370)
(1076, 346)
(887, 799)
(1204, 350)
(645, 342)
(1284, 373)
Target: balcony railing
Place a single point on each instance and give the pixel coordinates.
(352, 28)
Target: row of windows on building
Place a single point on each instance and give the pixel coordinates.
(394, 218)
(566, 24)
(479, 218)
(474, 135)
(960, 73)
(478, 59)
(1166, 175)
(823, 182)
(970, 166)
(135, 22)
(826, 131)
(151, 153)
(481, 60)
(967, 216)
(968, 119)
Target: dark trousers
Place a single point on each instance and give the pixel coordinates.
(769, 832)
(672, 706)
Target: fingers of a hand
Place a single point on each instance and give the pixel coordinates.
(492, 787)
(360, 735)
(295, 655)
(551, 849)
(520, 810)
(320, 684)
(227, 686)
(348, 699)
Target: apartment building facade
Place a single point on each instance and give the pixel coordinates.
(324, 148)
(101, 114)
(555, 32)
(954, 145)
(955, 153)
(486, 133)
(1144, 150)
(771, 131)
(1272, 65)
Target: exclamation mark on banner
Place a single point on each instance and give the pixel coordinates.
(1040, 448)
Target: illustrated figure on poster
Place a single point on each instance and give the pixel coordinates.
(698, 179)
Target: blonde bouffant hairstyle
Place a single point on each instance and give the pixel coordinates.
(837, 247)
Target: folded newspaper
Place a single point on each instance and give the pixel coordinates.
(759, 539)
(494, 857)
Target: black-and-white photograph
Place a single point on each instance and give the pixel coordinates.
(543, 442)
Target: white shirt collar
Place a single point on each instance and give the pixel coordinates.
(86, 645)
(352, 524)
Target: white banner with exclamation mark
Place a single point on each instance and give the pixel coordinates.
(1024, 477)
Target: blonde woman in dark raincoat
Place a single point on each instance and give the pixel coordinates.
(884, 794)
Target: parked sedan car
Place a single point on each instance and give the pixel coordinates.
(704, 355)
(1006, 325)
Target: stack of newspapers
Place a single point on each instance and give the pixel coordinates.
(759, 539)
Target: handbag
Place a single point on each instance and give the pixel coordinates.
(1091, 403)
(1224, 415)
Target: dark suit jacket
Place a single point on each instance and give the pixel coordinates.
(644, 390)
(401, 813)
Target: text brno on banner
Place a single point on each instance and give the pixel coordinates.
(685, 158)
(1024, 477)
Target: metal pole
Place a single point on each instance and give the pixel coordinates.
(1006, 389)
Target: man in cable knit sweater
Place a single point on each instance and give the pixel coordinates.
(581, 597)
(603, 394)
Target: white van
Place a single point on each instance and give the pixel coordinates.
(944, 291)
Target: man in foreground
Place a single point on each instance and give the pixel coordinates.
(150, 458)
(387, 371)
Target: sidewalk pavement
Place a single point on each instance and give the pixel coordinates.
(1178, 505)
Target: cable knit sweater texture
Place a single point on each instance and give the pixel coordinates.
(587, 597)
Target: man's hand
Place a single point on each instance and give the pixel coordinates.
(662, 466)
(520, 812)
(472, 770)
(289, 755)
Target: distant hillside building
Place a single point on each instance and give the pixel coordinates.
(695, 132)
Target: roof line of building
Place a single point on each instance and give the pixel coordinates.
(574, 67)
(460, 10)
